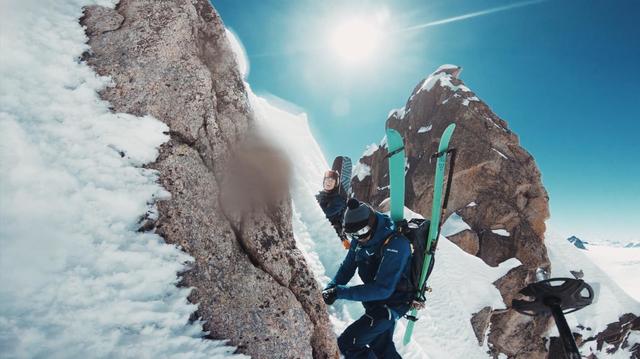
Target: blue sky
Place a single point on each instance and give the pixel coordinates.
(563, 73)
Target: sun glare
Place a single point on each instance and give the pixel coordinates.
(357, 40)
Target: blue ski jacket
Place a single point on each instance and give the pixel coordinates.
(333, 206)
(380, 266)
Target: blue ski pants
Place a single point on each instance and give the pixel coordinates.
(370, 337)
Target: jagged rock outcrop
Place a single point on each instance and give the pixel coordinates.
(614, 337)
(172, 60)
(497, 190)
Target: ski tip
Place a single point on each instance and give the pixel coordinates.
(450, 128)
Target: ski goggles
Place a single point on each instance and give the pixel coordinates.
(361, 233)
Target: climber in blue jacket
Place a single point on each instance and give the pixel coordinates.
(381, 255)
(333, 203)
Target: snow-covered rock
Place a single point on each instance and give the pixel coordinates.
(230, 206)
(78, 278)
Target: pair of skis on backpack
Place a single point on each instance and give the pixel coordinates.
(424, 248)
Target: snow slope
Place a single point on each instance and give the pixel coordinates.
(78, 280)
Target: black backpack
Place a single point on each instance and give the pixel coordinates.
(416, 231)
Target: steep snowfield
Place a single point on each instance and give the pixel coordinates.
(77, 279)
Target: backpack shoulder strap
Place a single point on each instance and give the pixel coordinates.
(386, 241)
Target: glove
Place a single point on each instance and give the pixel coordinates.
(330, 295)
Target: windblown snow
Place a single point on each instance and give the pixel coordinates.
(78, 280)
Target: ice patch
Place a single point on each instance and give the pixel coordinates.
(454, 224)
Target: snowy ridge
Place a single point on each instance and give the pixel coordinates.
(78, 280)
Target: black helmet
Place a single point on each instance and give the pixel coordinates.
(358, 216)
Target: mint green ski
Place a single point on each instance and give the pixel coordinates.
(395, 146)
(436, 211)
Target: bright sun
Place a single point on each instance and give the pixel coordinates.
(357, 40)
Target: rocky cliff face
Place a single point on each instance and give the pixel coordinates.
(496, 189)
(172, 60)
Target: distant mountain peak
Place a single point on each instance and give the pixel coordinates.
(577, 242)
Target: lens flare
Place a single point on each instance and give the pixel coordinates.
(356, 40)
